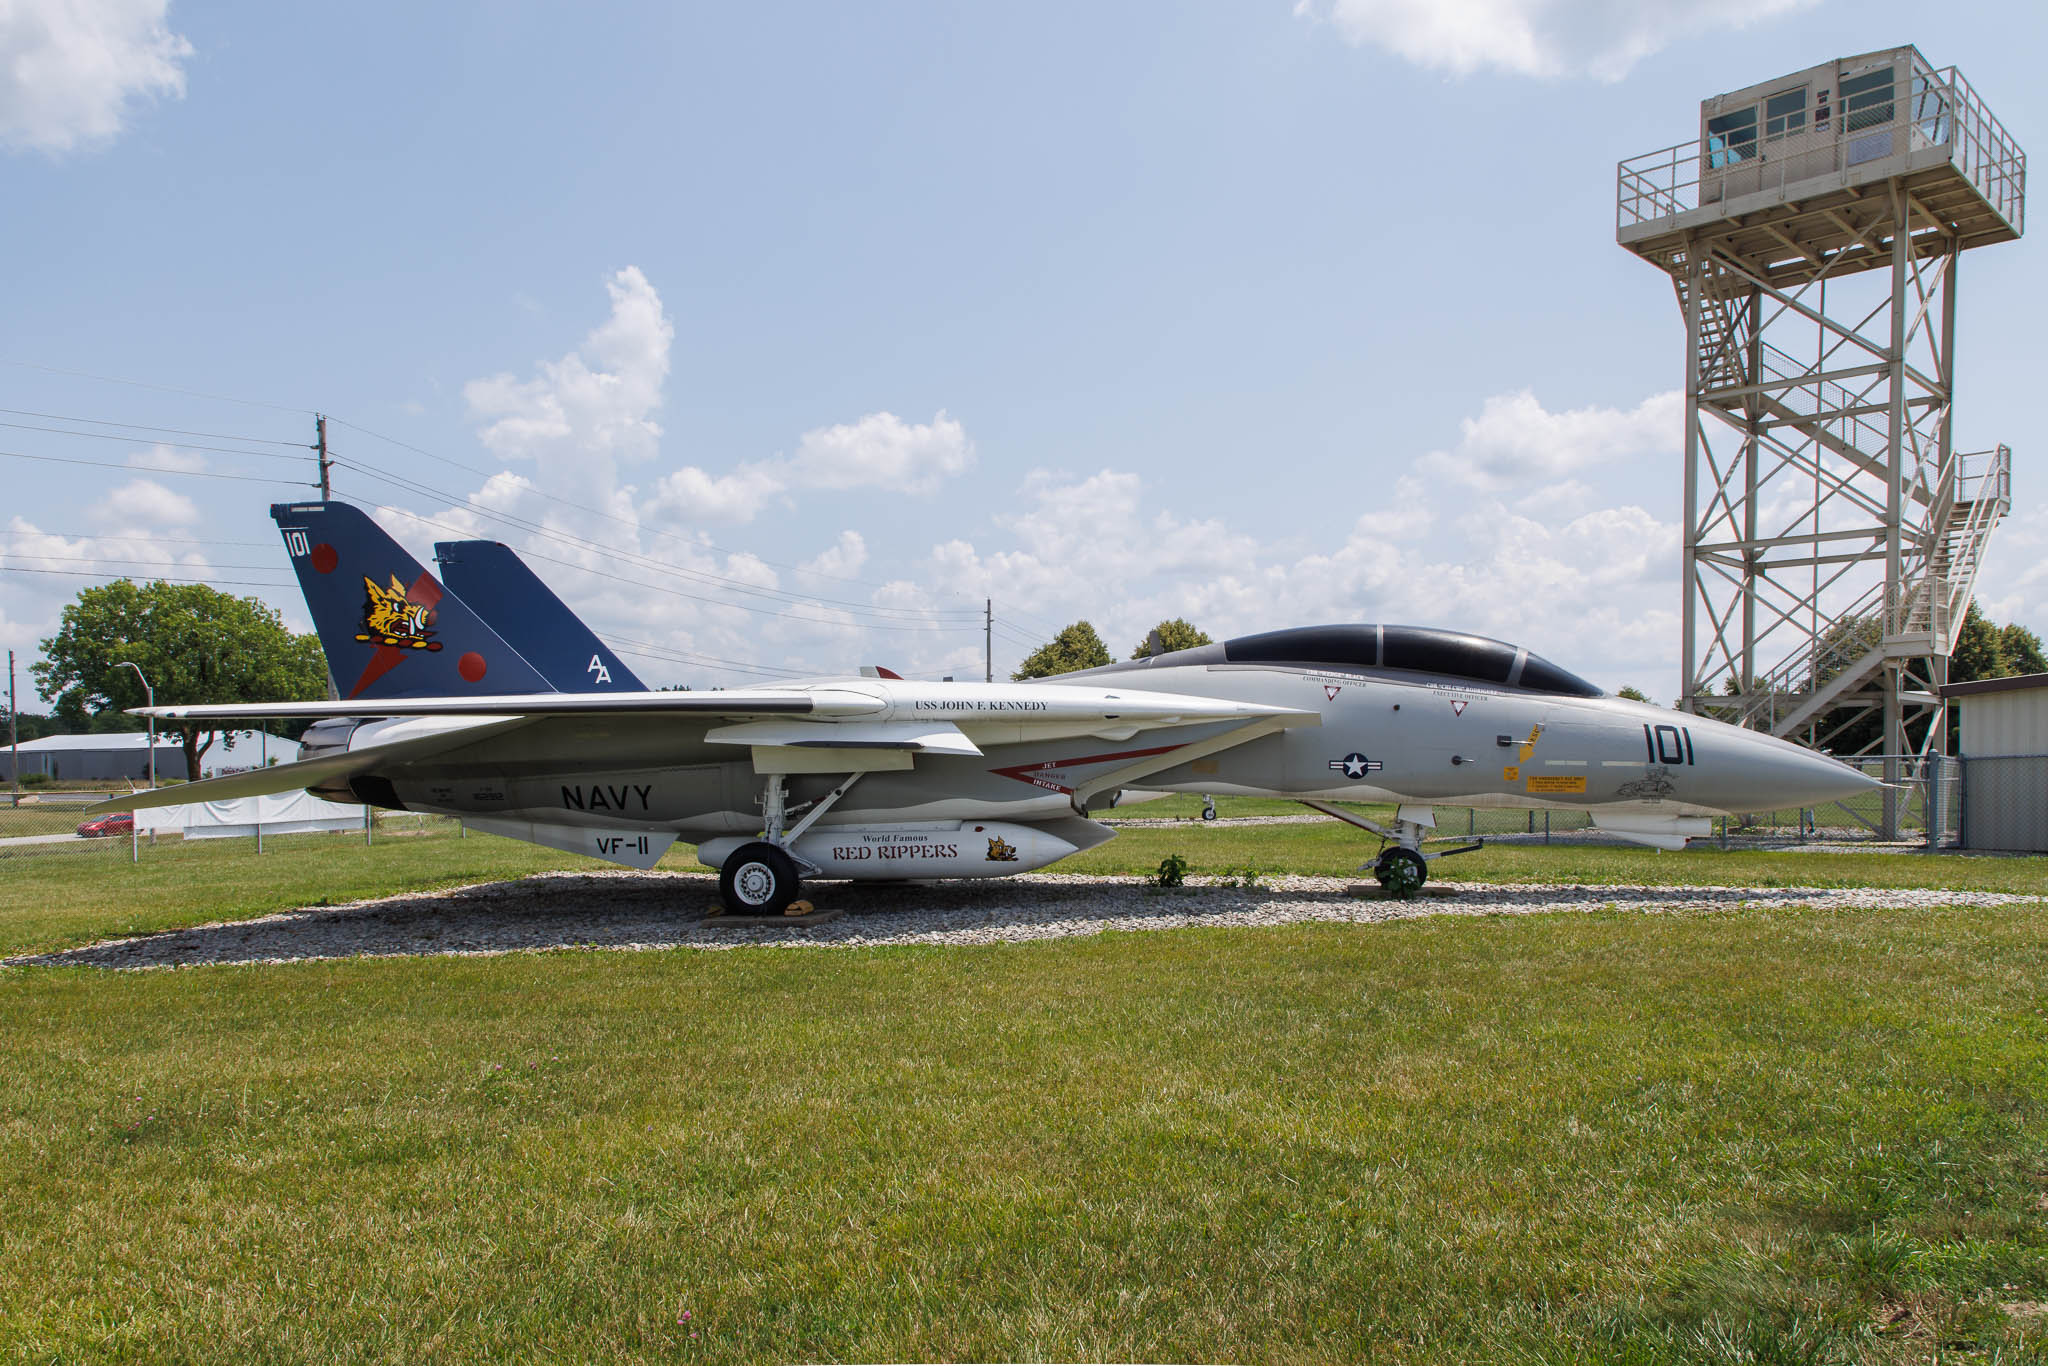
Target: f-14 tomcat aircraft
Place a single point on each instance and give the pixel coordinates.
(883, 778)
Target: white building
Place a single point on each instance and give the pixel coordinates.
(125, 755)
(2005, 761)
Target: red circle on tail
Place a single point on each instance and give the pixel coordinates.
(325, 558)
(471, 667)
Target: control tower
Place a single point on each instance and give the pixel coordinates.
(1832, 532)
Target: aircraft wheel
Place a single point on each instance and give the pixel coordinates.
(758, 879)
(1401, 872)
(1209, 811)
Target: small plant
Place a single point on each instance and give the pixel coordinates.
(1173, 871)
(1247, 876)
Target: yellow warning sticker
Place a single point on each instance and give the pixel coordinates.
(1511, 773)
(1557, 782)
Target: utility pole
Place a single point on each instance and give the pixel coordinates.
(988, 639)
(320, 426)
(13, 729)
(149, 700)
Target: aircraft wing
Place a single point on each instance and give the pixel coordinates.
(736, 703)
(260, 782)
(899, 710)
(831, 726)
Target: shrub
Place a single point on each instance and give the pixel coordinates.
(1173, 871)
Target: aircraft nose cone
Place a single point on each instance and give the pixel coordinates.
(1784, 775)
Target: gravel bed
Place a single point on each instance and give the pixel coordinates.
(660, 910)
(1160, 822)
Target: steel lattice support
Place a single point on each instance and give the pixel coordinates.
(1831, 531)
(1821, 480)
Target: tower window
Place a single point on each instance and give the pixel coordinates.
(1784, 114)
(1731, 137)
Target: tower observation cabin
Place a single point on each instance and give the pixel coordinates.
(1812, 232)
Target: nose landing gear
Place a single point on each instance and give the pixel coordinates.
(1402, 868)
(1401, 872)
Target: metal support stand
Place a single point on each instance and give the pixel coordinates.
(819, 808)
(774, 809)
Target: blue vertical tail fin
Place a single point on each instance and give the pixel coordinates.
(388, 626)
(526, 612)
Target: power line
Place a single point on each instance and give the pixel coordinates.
(127, 559)
(695, 542)
(578, 542)
(130, 440)
(166, 578)
(676, 592)
(146, 427)
(149, 536)
(134, 469)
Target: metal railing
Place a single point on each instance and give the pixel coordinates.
(1928, 108)
(1967, 501)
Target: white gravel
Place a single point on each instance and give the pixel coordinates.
(661, 910)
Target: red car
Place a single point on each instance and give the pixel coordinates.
(116, 823)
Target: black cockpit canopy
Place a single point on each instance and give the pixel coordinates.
(1415, 649)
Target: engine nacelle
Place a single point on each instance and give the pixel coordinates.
(917, 850)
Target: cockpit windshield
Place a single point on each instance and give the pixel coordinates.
(1421, 649)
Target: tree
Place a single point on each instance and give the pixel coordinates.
(1634, 694)
(2022, 650)
(1076, 647)
(1173, 635)
(1977, 654)
(195, 643)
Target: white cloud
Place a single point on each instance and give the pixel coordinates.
(1530, 555)
(143, 504)
(842, 559)
(71, 71)
(1516, 440)
(691, 495)
(168, 458)
(579, 419)
(881, 450)
(1548, 39)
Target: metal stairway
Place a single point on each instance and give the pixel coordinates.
(1973, 496)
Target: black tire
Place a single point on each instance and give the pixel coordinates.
(1401, 872)
(1208, 813)
(758, 879)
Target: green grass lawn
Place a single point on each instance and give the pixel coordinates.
(1782, 1136)
(91, 891)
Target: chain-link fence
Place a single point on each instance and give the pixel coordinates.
(1922, 803)
(49, 823)
(42, 822)
(2004, 803)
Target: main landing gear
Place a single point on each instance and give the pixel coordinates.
(758, 879)
(765, 877)
(1402, 867)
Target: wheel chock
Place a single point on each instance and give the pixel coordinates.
(798, 908)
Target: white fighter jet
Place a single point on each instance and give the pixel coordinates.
(883, 778)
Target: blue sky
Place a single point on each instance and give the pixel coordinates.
(1253, 313)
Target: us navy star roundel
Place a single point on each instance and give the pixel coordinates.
(1355, 765)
